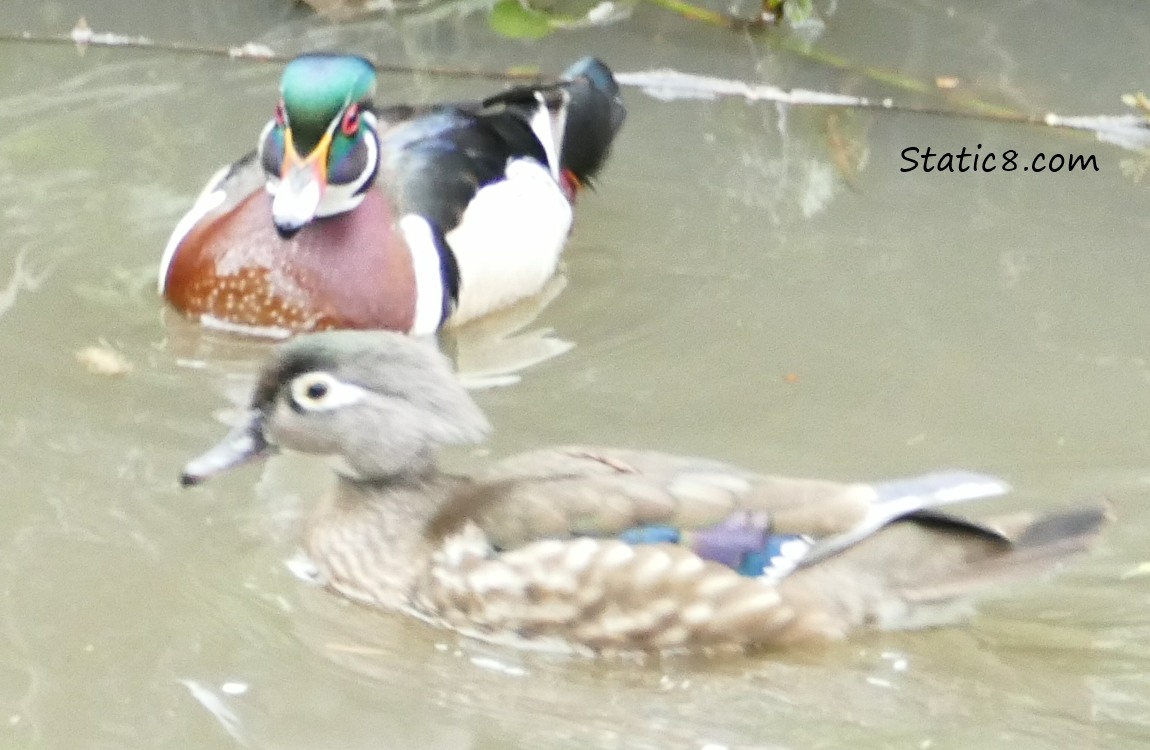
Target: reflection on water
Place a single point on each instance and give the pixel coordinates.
(751, 282)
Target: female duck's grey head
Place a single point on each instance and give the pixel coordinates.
(380, 402)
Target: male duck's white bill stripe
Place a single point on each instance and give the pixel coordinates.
(427, 265)
(209, 199)
(508, 242)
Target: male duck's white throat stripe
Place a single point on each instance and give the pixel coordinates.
(338, 199)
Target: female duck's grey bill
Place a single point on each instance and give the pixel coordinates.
(244, 443)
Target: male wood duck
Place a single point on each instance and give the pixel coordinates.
(402, 218)
(605, 550)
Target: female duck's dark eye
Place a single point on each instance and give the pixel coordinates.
(349, 126)
(281, 113)
(316, 391)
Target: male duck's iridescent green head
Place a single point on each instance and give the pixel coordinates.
(321, 150)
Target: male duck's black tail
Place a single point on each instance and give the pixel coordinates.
(595, 113)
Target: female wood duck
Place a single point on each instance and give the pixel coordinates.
(399, 218)
(606, 550)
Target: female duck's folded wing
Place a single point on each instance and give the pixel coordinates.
(923, 570)
(1018, 547)
(606, 594)
(593, 491)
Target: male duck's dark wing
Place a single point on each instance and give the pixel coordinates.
(435, 159)
(433, 165)
(240, 179)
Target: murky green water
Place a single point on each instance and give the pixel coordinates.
(728, 293)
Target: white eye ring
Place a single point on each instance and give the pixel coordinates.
(322, 391)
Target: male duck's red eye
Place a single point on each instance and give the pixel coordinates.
(281, 114)
(350, 123)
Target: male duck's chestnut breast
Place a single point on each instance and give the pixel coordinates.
(348, 271)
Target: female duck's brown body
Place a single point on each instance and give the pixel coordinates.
(569, 546)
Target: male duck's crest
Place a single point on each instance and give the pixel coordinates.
(321, 150)
(403, 218)
(607, 549)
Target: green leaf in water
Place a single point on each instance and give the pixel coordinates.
(800, 10)
(512, 19)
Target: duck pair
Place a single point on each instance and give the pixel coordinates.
(578, 547)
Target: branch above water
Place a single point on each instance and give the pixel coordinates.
(1130, 131)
